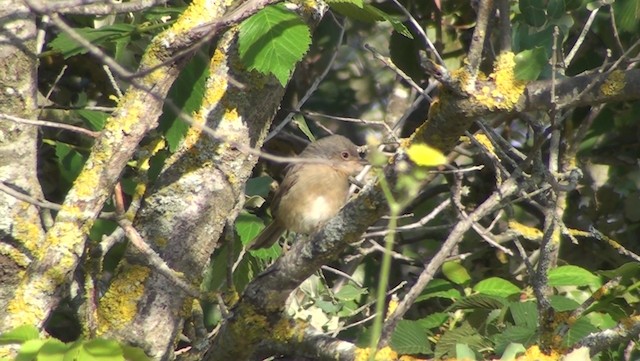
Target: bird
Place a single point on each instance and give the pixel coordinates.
(312, 192)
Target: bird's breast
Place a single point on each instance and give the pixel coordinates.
(309, 204)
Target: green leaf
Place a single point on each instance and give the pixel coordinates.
(70, 161)
(524, 314)
(556, 8)
(627, 271)
(455, 272)
(273, 41)
(496, 286)
(101, 350)
(19, 334)
(350, 292)
(573, 276)
(327, 307)
(572, 5)
(258, 186)
(447, 344)
(68, 47)
(514, 334)
(134, 353)
(479, 301)
(53, 350)
(94, 119)
(186, 93)
(73, 352)
(464, 352)
(533, 12)
(248, 226)
(434, 320)
(410, 337)
(299, 120)
(358, 3)
(580, 329)
(29, 350)
(395, 23)
(369, 13)
(563, 304)
(439, 288)
(512, 351)
(530, 63)
(627, 14)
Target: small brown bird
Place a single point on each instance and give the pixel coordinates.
(312, 193)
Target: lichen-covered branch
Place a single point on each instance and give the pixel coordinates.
(40, 289)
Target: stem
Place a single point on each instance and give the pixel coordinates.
(394, 211)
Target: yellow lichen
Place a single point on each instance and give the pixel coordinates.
(118, 307)
(527, 232)
(282, 331)
(384, 354)
(534, 353)
(26, 229)
(86, 184)
(614, 84)
(486, 143)
(505, 89)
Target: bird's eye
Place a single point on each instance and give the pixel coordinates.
(345, 155)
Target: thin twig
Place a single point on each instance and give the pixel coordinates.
(420, 31)
(583, 35)
(44, 123)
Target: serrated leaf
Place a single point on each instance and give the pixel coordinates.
(563, 304)
(94, 119)
(248, 226)
(439, 288)
(496, 286)
(186, 93)
(456, 272)
(524, 314)
(530, 63)
(446, 346)
(626, 271)
(464, 352)
(434, 320)
(272, 41)
(479, 301)
(350, 292)
(53, 350)
(68, 47)
(519, 334)
(512, 351)
(573, 276)
(533, 12)
(410, 337)
(101, 350)
(580, 329)
(19, 334)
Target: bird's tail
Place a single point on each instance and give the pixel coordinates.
(268, 236)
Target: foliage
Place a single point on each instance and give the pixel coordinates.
(32, 347)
